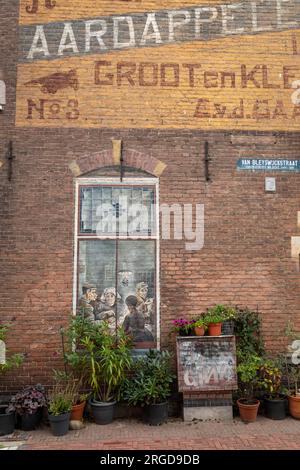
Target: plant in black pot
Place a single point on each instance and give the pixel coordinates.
(60, 400)
(27, 405)
(229, 314)
(7, 362)
(150, 386)
(270, 380)
(108, 359)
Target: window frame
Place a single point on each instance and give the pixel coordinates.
(115, 181)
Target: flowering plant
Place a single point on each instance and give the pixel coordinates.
(183, 326)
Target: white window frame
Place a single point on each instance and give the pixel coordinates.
(116, 182)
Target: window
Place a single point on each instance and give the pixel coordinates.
(117, 255)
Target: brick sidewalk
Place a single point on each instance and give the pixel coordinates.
(124, 434)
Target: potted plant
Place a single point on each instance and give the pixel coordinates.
(229, 316)
(270, 379)
(27, 405)
(183, 327)
(213, 319)
(199, 327)
(248, 378)
(150, 385)
(292, 370)
(292, 373)
(7, 418)
(109, 358)
(59, 408)
(68, 381)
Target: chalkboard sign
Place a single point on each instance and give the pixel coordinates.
(206, 363)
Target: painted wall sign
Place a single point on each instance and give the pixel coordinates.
(206, 363)
(162, 64)
(256, 164)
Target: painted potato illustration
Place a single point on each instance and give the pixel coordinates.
(57, 81)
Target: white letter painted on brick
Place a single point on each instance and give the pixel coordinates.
(199, 20)
(281, 23)
(68, 34)
(39, 36)
(177, 24)
(131, 42)
(255, 26)
(227, 17)
(151, 21)
(95, 34)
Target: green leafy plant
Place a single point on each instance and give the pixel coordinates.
(200, 323)
(151, 380)
(60, 398)
(219, 313)
(270, 379)
(108, 358)
(14, 360)
(248, 333)
(248, 375)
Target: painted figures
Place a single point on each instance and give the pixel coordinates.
(136, 316)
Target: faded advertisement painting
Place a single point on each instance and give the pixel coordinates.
(159, 64)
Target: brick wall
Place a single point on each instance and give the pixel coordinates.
(246, 257)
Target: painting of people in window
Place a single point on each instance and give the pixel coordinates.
(116, 284)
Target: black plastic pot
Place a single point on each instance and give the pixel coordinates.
(29, 422)
(7, 421)
(156, 414)
(60, 424)
(228, 327)
(275, 409)
(103, 412)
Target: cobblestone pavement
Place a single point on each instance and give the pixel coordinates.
(124, 434)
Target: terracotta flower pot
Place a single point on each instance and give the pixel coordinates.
(214, 329)
(199, 330)
(77, 412)
(294, 406)
(248, 411)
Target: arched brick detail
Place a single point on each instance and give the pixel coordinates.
(90, 162)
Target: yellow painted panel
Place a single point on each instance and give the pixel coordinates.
(178, 86)
(41, 11)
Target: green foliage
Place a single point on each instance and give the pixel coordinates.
(59, 405)
(108, 358)
(200, 323)
(270, 378)
(248, 374)
(151, 381)
(14, 360)
(248, 334)
(60, 398)
(290, 331)
(219, 313)
(3, 331)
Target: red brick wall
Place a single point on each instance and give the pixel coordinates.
(246, 257)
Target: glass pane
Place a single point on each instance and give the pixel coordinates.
(136, 285)
(128, 300)
(119, 210)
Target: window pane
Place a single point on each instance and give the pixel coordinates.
(123, 210)
(128, 301)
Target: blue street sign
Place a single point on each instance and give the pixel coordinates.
(256, 164)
